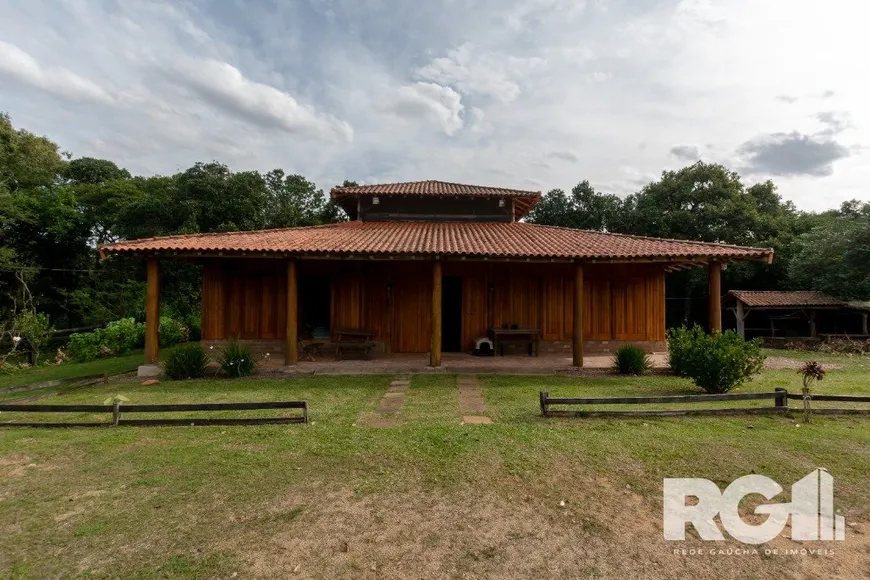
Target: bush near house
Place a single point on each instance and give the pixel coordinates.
(236, 359)
(630, 360)
(172, 331)
(715, 362)
(188, 361)
(122, 336)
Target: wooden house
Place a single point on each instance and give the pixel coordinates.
(430, 266)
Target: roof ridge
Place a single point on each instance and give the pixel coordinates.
(529, 192)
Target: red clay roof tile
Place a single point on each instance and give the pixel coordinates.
(430, 187)
(504, 240)
(796, 298)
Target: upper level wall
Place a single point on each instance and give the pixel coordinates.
(419, 208)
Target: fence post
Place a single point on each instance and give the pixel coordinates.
(543, 396)
(116, 413)
(105, 377)
(305, 413)
(781, 395)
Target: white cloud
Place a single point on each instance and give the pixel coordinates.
(472, 72)
(495, 92)
(431, 101)
(58, 81)
(223, 86)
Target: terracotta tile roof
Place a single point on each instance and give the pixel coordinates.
(524, 199)
(430, 187)
(504, 240)
(776, 298)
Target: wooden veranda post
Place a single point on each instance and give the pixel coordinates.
(577, 349)
(435, 346)
(715, 280)
(291, 343)
(740, 314)
(152, 312)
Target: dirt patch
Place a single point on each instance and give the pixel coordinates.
(781, 362)
(593, 529)
(14, 465)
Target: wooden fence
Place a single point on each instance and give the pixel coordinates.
(116, 410)
(779, 397)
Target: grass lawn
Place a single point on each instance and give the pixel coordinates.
(45, 373)
(429, 497)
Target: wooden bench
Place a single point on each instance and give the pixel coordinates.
(354, 340)
(527, 336)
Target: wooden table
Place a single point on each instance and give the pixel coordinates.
(361, 339)
(530, 336)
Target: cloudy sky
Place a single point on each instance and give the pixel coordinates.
(535, 94)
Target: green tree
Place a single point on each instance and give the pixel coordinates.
(834, 256)
(707, 202)
(294, 201)
(584, 209)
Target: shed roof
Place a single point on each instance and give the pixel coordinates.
(514, 240)
(523, 200)
(796, 299)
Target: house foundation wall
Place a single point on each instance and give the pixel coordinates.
(275, 348)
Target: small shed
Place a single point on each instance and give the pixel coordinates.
(796, 314)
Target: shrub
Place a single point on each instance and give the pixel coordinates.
(171, 331)
(36, 330)
(683, 344)
(123, 335)
(630, 360)
(715, 362)
(188, 361)
(236, 359)
(85, 346)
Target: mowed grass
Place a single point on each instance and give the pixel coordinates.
(68, 370)
(427, 497)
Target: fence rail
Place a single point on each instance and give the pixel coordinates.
(779, 397)
(116, 410)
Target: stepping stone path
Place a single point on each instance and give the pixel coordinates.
(386, 415)
(471, 403)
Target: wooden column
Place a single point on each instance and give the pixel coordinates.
(741, 320)
(291, 343)
(435, 346)
(864, 324)
(152, 312)
(715, 279)
(577, 349)
(812, 323)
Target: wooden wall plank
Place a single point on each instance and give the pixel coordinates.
(412, 306)
(553, 310)
(213, 300)
(252, 302)
(346, 299)
(474, 315)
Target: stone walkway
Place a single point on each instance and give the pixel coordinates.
(386, 415)
(471, 403)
